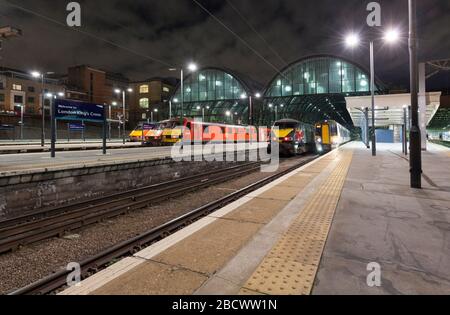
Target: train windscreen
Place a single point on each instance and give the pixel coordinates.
(286, 125)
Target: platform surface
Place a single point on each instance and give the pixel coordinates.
(30, 163)
(314, 231)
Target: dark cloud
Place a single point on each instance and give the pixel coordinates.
(177, 31)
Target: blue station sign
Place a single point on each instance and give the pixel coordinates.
(79, 111)
(76, 127)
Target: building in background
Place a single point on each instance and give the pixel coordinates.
(152, 95)
(87, 84)
(19, 89)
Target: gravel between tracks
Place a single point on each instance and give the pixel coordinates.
(36, 261)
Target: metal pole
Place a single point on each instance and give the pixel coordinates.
(366, 113)
(405, 135)
(82, 131)
(415, 136)
(104, 130)
(22, 109)
(170, 109)
(109, 123)
(43, 112)
(68, 132)
(250, 111)
(53, 128)
(124, 117)
(143, 136)
(182, 94)
(203, 114)
(372, 89)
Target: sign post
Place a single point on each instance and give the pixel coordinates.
(53, 128)
(76, 111)
(104, 131)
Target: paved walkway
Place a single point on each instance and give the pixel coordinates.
(381, 219)
(313, 231)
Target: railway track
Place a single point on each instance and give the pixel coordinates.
(45, 224)
(94, 264)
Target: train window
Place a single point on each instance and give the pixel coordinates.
(286, 125)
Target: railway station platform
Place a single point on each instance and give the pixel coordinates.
(31, 147)
(314, 231)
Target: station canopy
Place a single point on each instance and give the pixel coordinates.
(311, 89)
(215, 92)
(314, 89)
(389, 108)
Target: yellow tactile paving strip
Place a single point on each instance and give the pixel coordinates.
(291, 266)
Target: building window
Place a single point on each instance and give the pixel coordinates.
(1, 86)
(143, 89)
(31, 100)
(144, 103)
(2, 97)
(31, 89)
(17, 87)
(18, 99)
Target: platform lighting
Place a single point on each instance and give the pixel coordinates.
(392, 36)
(258, 95)
(243, 96)
(352, 40)
(61, 94)
(49, 95)
(123, 92)
(192, 67)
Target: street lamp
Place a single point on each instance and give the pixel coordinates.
(37, 74)
(192, 67)
(352, 40)
(123, 92)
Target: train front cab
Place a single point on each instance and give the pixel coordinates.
(323, 137)
(293, 137)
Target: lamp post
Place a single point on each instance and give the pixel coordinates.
(192, 67)
(415, 136)
(123, 92)
(36, 74)
(353, 40)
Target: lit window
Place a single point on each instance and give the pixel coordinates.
(17, 87)
(143, 89)
(166, 89)
(144, 103)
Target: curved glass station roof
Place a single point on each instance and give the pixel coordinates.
(314, 89)
(220, 94)
(311, 89)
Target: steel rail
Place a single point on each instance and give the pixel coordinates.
(21, 235)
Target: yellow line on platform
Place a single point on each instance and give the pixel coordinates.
(291, 266)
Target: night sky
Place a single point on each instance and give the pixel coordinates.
(175, 32)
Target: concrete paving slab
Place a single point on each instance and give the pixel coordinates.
(208, 250)
(153, 278)
(258, 211)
